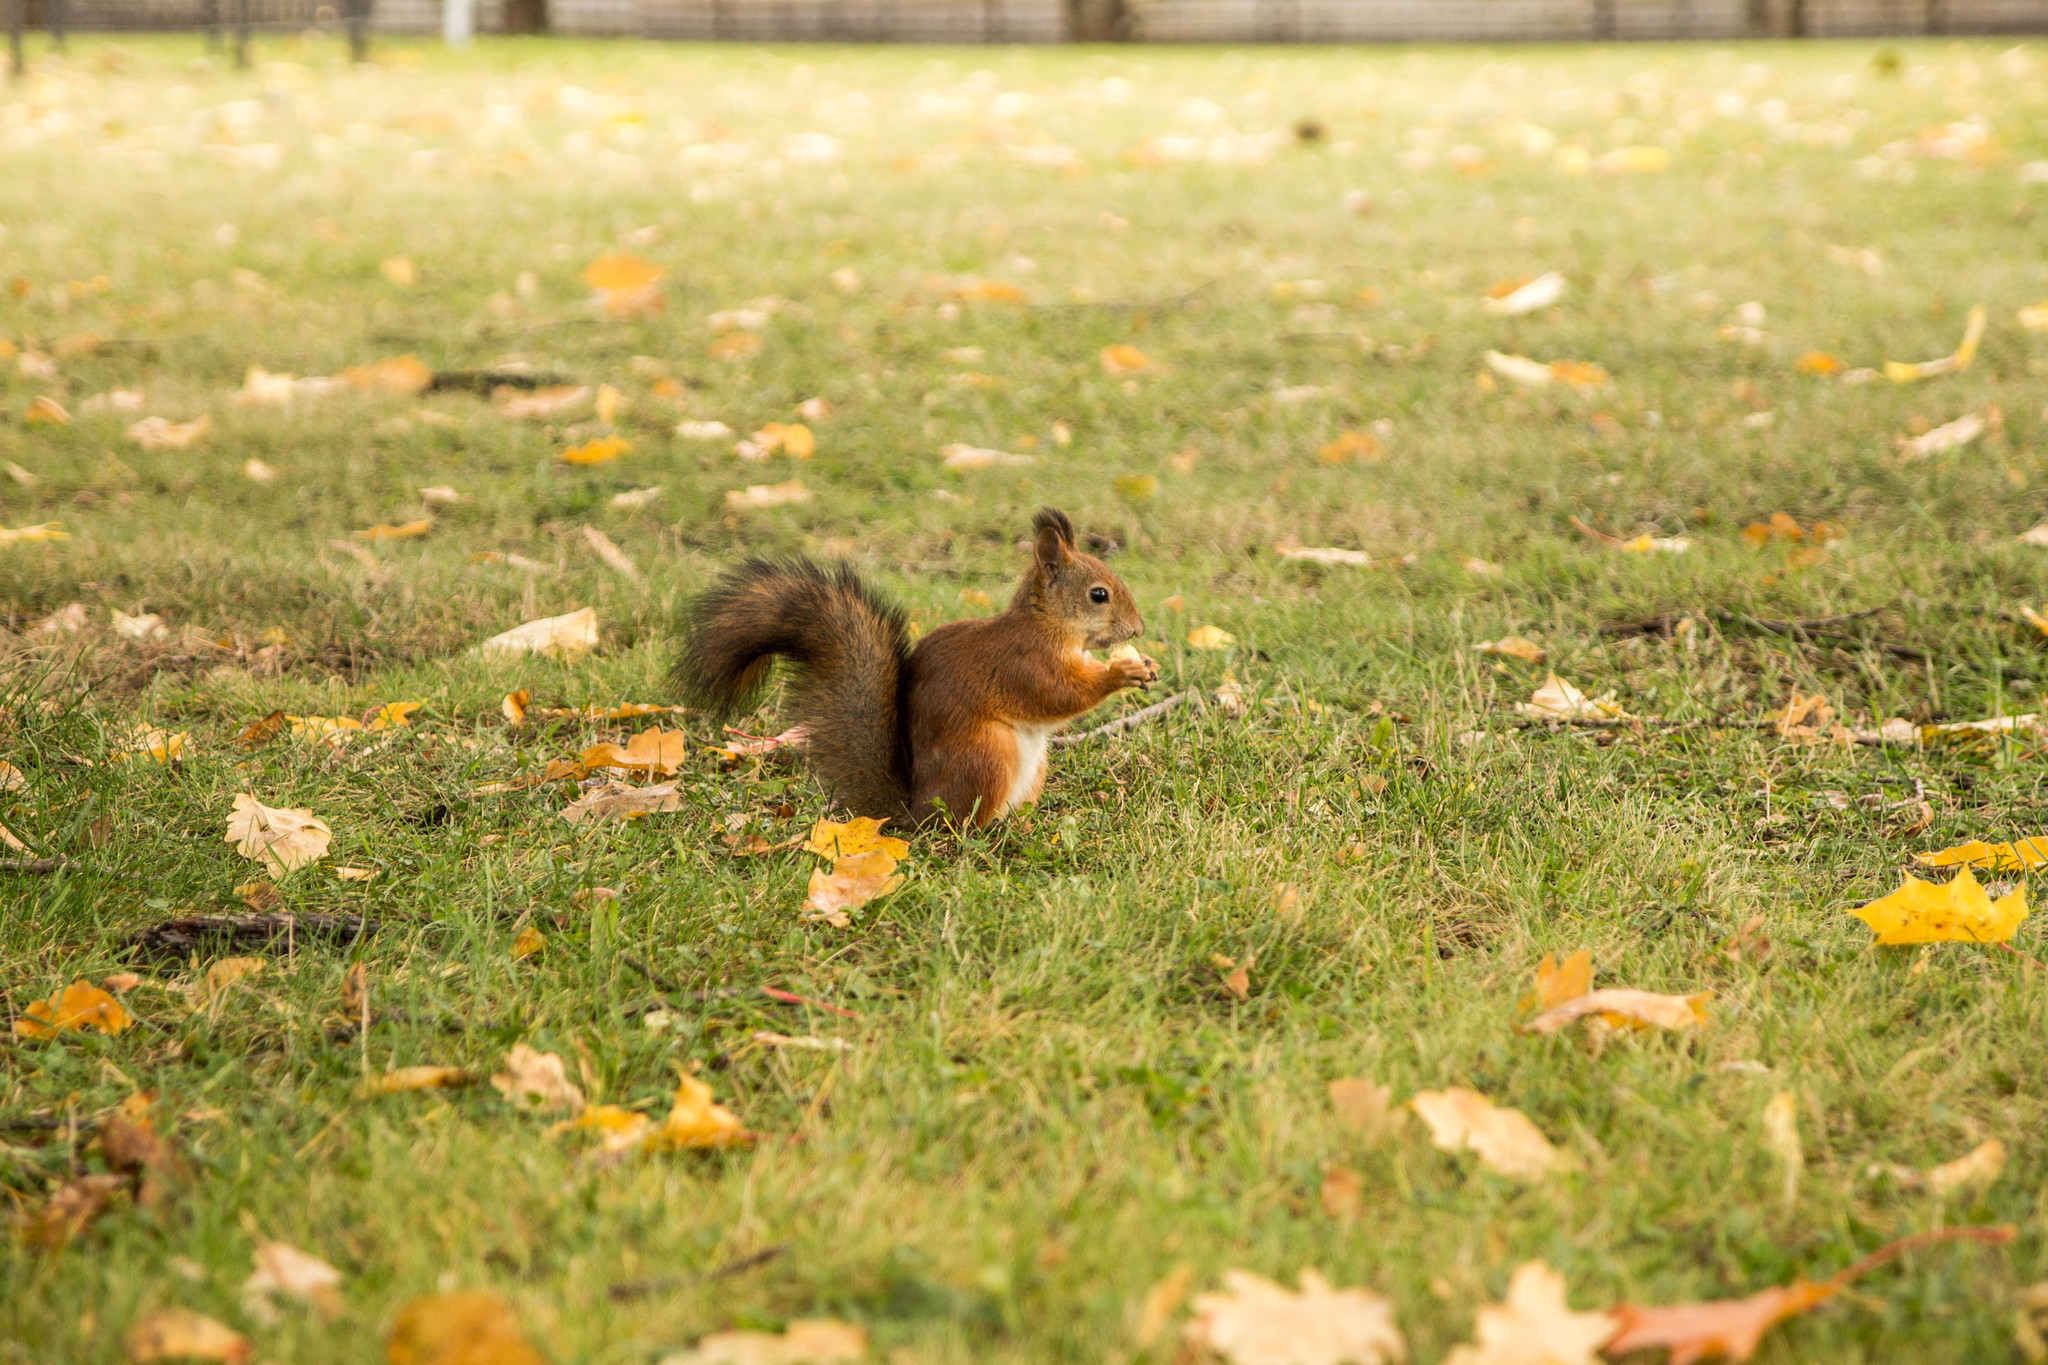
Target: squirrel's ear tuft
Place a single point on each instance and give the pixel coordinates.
(1053, 542)
(1052, 520)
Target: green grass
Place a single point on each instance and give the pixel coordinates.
(1051, 1100)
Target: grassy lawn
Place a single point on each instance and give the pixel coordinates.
(1037, 1093)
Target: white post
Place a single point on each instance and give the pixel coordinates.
(457, 21)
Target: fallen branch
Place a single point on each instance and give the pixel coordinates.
(628, 1290)
(483, 381)
(181, 938)
(1124, 723)
(41, 867)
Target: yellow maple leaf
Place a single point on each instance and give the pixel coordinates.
(393, 714)
(2022, 855)
(79, 1006)
(833, 839)
(1211, 637)
(852, 883)
(1351, 445)
(1580, 374)
(386, 531)
(1960, 911)
(470, 1328)
(602, 450)
(1558, 982)
(795, 439)
(529, 942)
(694, 1121)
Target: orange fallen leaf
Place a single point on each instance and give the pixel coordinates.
(650, 752)
(1819, 363)
(989, 291)
(404, 375)
(529, 942)
(405, 1078)
(160, 433)
(601, 450)
(386, 531)
(181, 1334)
(851, 884)
(694, 1121)
(807, 1341)
(471, 1328)
(1123, 358)
(46, 411)
(78, 1007)
(1254, 1321)
(1351, 445)
(69, 1210)
(734, 346)
(1505, 1139)
(1616, 1006)
(794, 439)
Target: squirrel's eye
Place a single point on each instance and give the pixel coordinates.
(1098, 594)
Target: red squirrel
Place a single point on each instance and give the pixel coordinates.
(957, 727)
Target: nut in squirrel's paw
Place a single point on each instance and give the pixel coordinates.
(1129, 654)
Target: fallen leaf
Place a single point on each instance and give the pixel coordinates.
(694, 1121)
(529, 942)
(618, 801)
(160, 433)
(1351, 445)
(282, 840)
(1944, 438)
(1515, 647)
(46, 411)
(222, 975)
(619, 1130)
(1122, 359)
(2022, 855)
(1160, 1303)
(148, 741)
(567, 638)
(734, 346)
(1957, 911)
(70, 1209)
(634, 499)
(1254, 1321)
(767, 495)
(1615, 1005)
(551, 401)
(399, 270)
(78, 1007)
(1559, 700)
(833, 839)
(181, 1334)
(958, 456)
(1724, 1327)
(626, 286)
(1237, 975)
(1512, 299)
(1341, 1192)
(1535, 374)
(408, 531)
(806, 1341)
(1819, 363)
(1557, 982)
(989, 291)
(1900, 372)
(1505, 1139)
(1211, 637)
(851, 884)
(1318, 555)
(282, 1268)
(600, 450)
(408, 1078)
(796, 439)
(1640, 160)
(537, 1080)
(1781, 1139)
(649, 752)
(30, 535)
(470, 1328)
(1362, 1106)
(1535, 1326)
(255, 471)
(2033, 317)
(404, 375)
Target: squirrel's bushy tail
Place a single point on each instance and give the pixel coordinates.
(848, 647)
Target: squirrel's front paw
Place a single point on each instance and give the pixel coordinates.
(1132, 668)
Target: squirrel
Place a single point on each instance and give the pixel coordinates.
(957, 727)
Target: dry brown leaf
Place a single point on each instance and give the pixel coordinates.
(807, 1341)
(568, 637)
(470, 1328)
(618, 801)
(1724, 1327)
(222, 975)
(160, 433)
(1505, 1139)
(529, 942)
(69, 1210)
(537, 1080)
(1362, 1106)
(1616, 1006)
(283, 1269)
(1342, 1190)
(1254, 1321)
(1535, 1326)
(1515, 647)
(282, 840)
(181, 1334)
(261, 731)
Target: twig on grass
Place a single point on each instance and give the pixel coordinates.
(1123, 724)
(180, 938)
(2024, 957)
(41, 867)
(627, 1290)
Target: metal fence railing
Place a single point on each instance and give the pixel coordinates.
(233, 22)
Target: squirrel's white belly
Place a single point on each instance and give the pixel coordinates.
(1031, 744)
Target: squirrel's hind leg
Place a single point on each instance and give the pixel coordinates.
(974, 778)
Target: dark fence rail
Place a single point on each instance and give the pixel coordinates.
(1052, 21)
